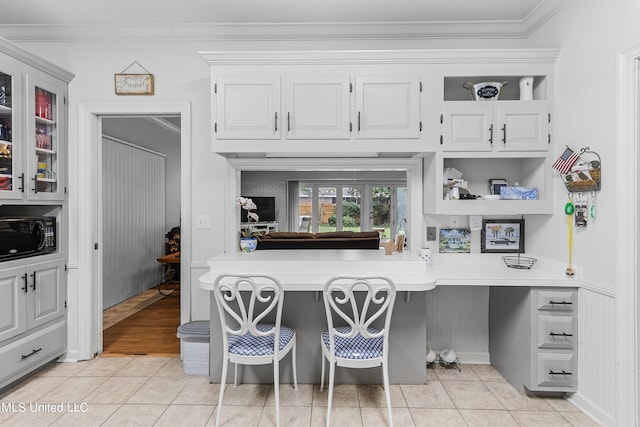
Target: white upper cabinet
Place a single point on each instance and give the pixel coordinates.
(524, 126)
(317, 108)
(388, 107)
(247, 108)
(33, 116)
(495, 125)
(467, 127)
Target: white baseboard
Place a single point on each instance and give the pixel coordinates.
(472, 358)
(591, 410)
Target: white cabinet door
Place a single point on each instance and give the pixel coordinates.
(45, 127)
(388, 107)
(523, 126)
(317, 108)
(499, 126)
(247, 108)
(13, 296)
(468, 127)
(46, 292)
(12, 178)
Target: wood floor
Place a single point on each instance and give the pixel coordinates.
(151, 331)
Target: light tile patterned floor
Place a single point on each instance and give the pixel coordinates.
(153, 391)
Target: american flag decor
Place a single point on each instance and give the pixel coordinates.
(565, 161)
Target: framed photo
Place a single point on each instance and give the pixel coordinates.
(502, 236)
(455, 240)
(133, 84)
(495, 184)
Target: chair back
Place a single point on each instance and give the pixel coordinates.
(358, 310)
(305, 223)
(244, 302)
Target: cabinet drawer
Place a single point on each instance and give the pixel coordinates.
(33, 349)
(556, 331)
(563, 301)
(555, 370)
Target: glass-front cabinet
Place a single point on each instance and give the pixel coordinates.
(11, 178)
(32, 142)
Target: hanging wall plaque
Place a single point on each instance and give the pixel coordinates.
(133, 83)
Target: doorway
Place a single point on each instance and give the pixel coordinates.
(628, 223)
(139, 210)
(88, 232)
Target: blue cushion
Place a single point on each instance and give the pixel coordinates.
(250, 345)
(357, 347)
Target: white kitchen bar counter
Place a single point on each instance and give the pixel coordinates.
(304, 271)
(309, 270)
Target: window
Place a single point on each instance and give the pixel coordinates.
(356, 206)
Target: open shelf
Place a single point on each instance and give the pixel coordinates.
(454, 90)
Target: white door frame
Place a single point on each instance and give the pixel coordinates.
(626, 259)
(87, 321)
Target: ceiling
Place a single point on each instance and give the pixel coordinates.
(206, 18)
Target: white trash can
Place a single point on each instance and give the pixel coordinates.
(195, 347)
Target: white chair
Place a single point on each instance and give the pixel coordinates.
(249, 333)
(354, 343)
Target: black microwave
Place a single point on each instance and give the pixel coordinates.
(25, 237)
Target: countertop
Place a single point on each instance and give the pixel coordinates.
(308, 270)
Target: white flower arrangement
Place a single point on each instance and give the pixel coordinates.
(248, 205)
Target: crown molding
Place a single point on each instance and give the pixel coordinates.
(507, 29)
(399, 56)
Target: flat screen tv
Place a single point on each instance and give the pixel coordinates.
(266, 209)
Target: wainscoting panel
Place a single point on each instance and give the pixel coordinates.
(133, 219)
(596, 355)
(458, 318)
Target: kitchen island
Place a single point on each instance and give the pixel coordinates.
(303, 274)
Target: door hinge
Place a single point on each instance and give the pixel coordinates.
(549, 118)
(420, 86)
(66, 267)
(64, 100)
(350, 126)
(65, 189)
(65, 304)
(420, 125)
(215, 127)
(215, 88)
(95, 246)
(549, 135)
(441, 118)
(441, 138)
(350, 87)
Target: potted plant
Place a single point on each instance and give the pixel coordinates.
(249, 236)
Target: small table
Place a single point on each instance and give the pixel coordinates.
(168, 274)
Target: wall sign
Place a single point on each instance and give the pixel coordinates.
(133, 84)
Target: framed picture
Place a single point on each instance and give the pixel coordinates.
(502, 236)
(455, 240)
(495, 184)
(133, 84)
